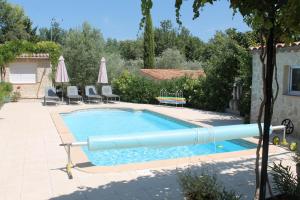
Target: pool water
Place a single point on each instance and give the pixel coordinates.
(120, 121)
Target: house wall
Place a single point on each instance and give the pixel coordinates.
(286, 106)
(33, 90)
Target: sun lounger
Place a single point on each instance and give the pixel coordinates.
(72, 94)
(92, 94)
(50, 96)
(107, 93)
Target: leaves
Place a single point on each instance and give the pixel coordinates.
(14, 24)
(203, 186)
(149, 45)
(82, 50)
(285, 182)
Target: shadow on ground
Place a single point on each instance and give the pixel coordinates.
(235, 175)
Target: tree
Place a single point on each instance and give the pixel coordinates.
(55, 33)
(189, 45)
(14, 24)
(131, 49)
(275, 20)
(148, 41)
(82, 50)
(165, 37)
(112, 46)
(225, 58)
(170, 59)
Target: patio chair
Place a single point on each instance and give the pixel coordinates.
(50, 96)
(92, 94)
(107, 93)
(72, 94)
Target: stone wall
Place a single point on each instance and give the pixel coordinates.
(34, 90)
(286, 106)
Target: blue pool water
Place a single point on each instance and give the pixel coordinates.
(119, 121)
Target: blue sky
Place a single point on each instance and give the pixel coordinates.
(120, 18)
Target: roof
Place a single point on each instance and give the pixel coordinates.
(166, 74)
(34, 55)
(280, 45)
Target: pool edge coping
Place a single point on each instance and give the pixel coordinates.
(79, 158)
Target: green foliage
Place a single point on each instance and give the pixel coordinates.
(5, 90)
(55, 33)
(82, 50)
(190, 46)
(285, 182)
(204, 187)
(224, 59)
(10, 50)
(14, 24)
(136, 89)
(112, 46)
(168, 37)
(165, 37)
(131, 49)
(149, 45)
(170, 59)
(53, 49)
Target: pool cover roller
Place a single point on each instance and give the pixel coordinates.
(180, 137)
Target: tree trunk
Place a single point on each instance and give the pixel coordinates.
(267, 112)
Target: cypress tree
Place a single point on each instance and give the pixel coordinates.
(148, 42)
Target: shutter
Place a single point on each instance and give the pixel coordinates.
(22, 73)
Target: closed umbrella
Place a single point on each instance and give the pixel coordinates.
(61, 74)
(102, 77)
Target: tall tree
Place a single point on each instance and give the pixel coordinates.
(165, 37)
(55, 33)
(82, 50)
(148, 41)
(131, 49)
(276, 20)
(14, 24)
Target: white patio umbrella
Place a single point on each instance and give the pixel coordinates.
(61, 74)
(102, 77)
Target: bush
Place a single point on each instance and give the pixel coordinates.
(170, 59)
(204, 187)
(5, 90)
(285, 182)
(137, 89)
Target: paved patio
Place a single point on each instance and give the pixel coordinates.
(32, 162)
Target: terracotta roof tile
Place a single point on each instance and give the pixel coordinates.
(166, 74)
(279, 45)
(34, 55)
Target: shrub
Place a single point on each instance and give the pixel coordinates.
(5, 90)
(137, 89)
(170, 59)
(285, 181)
(15, 96)
(204, 187)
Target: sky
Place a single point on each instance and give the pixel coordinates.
(120, 18)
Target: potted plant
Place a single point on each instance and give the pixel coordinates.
(16, 95)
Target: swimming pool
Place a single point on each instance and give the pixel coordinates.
(94, 122)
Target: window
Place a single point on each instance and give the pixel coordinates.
(294, 80)
(22, 73)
